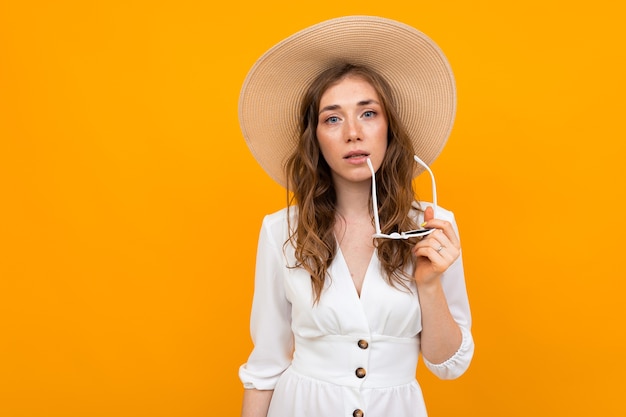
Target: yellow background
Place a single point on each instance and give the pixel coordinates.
(130, 205)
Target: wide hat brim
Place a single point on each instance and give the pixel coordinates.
(414, 66)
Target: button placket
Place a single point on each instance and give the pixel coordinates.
(361, 361)
(360, 371)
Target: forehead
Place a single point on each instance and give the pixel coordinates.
(350, 88)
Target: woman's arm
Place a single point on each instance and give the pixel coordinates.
(256, 402)
(270, 321)
(441, 336)
(445, 313)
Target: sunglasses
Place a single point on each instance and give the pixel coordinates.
(400, 235)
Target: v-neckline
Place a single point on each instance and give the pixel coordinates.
(359, 295)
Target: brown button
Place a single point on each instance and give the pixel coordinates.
(358, 413)
(363, 344)
(360, 373)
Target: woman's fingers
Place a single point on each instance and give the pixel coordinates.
(429, 214)
(437, 243)
(441, 247)
(444, 226)
(436, 251)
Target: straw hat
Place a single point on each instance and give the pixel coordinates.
(414, 66)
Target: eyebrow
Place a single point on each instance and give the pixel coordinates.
(337, 106)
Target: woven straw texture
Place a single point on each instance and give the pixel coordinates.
(412, 63)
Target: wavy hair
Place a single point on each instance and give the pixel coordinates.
(312, 191)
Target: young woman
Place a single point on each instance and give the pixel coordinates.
(354, 279)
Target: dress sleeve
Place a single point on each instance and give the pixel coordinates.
(453, 282)
(270, 321)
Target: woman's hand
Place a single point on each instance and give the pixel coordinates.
(435, 252)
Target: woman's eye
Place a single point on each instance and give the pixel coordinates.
(369, 113)
(332, 119)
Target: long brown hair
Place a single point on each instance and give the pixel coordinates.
(309, 178)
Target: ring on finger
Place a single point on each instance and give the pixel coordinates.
(440, 248)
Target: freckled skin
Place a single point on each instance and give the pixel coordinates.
(352, 123)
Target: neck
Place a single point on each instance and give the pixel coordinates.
(353, 200)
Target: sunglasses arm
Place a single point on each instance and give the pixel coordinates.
(374, 198)
(432, 182)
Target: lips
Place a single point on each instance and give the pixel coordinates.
(356, 154)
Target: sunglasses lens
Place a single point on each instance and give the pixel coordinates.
(420, 232)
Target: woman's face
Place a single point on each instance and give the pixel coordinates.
(352, 126)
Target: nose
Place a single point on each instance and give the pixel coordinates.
(353, 133)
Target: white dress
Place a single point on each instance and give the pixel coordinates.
(348, 355)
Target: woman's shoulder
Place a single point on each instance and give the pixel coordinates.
(280, 217)
(277, 225)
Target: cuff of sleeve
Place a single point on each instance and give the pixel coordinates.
(252, 380)
(456, 365)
